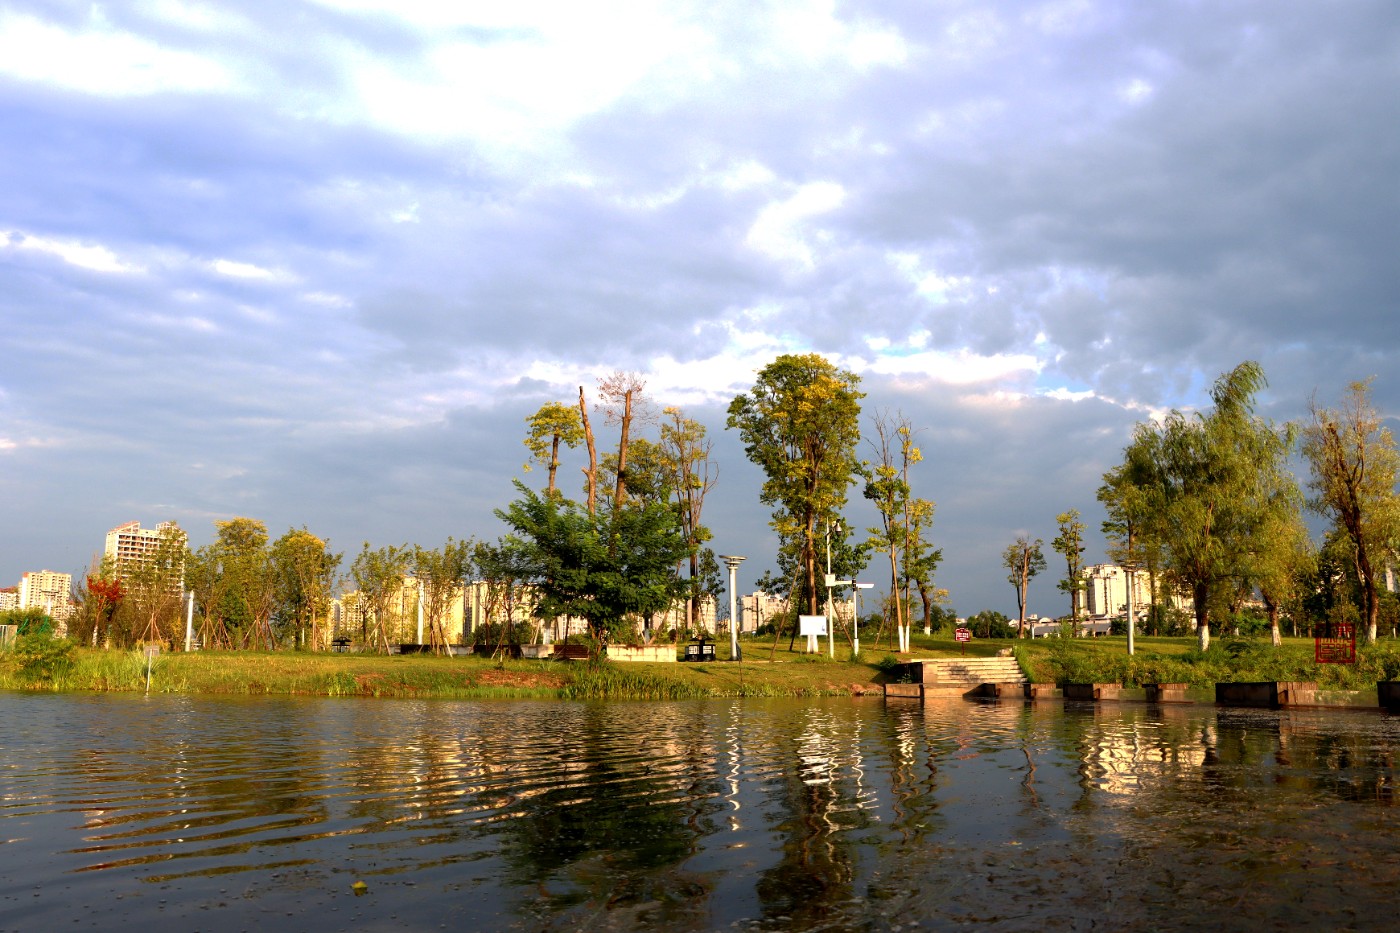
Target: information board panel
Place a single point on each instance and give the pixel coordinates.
(811, 625)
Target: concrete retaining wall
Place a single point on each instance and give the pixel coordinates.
(1268, 694)
(666, 653)
(1092, 691)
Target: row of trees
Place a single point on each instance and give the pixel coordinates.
(631, 558)
(1205, 505)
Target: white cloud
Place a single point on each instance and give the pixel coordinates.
(92, 256)
(959, 367)
(101, 61)
(246, 270)
(781, 230)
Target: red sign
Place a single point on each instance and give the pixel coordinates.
(962, 634)
(1337, 644)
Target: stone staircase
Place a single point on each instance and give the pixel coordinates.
(971, 672)
(955, 677)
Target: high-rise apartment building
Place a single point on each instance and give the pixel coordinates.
(47, 590)
(130, 546)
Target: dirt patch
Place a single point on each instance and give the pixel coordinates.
(495, 678)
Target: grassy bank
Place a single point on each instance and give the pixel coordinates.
(768, 670)
(1177, 660)
(366, 675)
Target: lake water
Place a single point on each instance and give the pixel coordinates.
(838, 814)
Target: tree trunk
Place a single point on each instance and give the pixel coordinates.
(620, 491)
(1199, 597)
(591, 472)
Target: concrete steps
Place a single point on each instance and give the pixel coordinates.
(968, 671)
(955, 677)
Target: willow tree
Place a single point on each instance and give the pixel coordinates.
(1354, 465)
(1210, 490)
(800, 425)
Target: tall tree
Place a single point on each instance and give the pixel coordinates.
(800, 425)
(590, 472)
(1070, 545)
(247, 558)
(685, 455)
(440, 574)
(1023, 560)
(622, 401)
(1126, 496)
(921, 562)
(1211, 490)
(304, 570)
(887, 486)
(152, 592)
(379, 575)
(1354, 464)
(554, 424)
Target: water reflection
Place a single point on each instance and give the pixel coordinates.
(836, 814)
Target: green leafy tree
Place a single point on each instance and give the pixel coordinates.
(1070, 545)
(990, 624)
(555, 424)
(692, 472)
(152, 592)
(439, 573)
(1023, 560)
(304, 573)
(379, 574)
(1354, 464)
(607, 568)
(247, 560)
(887, 487)
(503, 566)
(1211, 491)
(800, 425)
(1126, 495)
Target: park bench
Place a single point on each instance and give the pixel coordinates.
(571, 652)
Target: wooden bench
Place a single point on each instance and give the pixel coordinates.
(571, 652)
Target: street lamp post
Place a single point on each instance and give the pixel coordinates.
(732, 562)
(856, 588)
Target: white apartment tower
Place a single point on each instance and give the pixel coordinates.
(46, 590)
(129, 546)
(1106, 591)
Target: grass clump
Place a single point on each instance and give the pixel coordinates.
(608, 682)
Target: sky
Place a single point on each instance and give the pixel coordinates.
(316, 262)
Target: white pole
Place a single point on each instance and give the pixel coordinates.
(1129, 573)
(420, 612)
(189, 622)
(732, 562)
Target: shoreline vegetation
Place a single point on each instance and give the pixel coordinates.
(767, 671)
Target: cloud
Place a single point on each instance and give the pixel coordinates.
(310, 244)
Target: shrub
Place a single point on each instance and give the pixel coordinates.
(40, 656)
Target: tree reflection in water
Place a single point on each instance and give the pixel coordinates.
(813, 814)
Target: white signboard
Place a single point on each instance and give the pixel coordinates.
(811, 625)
